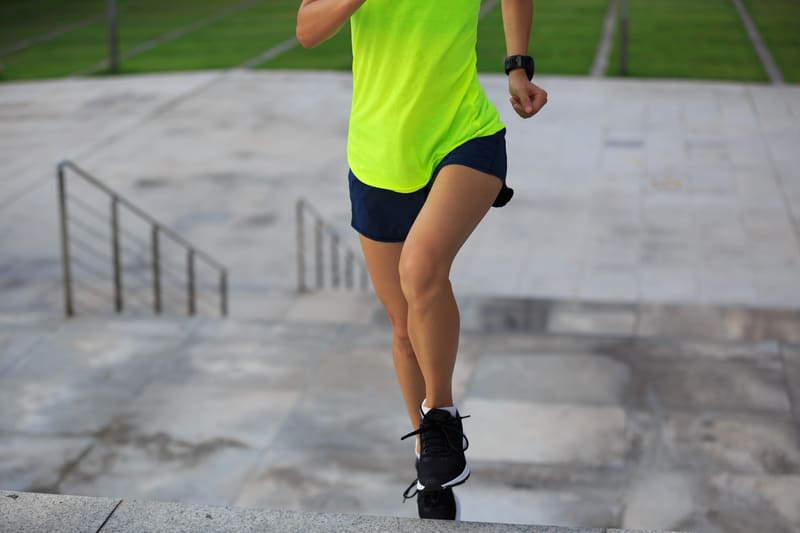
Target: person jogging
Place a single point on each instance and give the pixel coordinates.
(427, 157)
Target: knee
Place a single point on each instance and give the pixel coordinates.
(421, 276)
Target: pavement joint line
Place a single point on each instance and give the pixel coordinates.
(169, 36)
(603, 53)
(787, 206)
(774, 73)
(49, 36)
(109, 516)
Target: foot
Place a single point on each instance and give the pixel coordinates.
(436, 504)
(442, 464)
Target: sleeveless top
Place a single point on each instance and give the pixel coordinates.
(416, 94)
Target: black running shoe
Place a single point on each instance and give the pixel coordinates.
(442, 463)
(436, 504)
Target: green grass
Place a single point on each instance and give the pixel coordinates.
(669, 38)
(228, 42)
(140, 21)
(778, 22)
(334, 54)
(702, 39)
(21, 20)
(563, 41)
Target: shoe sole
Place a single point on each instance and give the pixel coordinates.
(464, 476)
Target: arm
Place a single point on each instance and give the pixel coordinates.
(526, 98)
(319, 20)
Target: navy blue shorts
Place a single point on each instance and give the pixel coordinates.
(387, 216)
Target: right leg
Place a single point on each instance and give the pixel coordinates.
(383, 259)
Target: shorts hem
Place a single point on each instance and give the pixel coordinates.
(485, 170)
(373, 237)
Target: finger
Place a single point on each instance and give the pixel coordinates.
(525, 101)
(517, 107)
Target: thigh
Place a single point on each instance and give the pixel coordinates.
(458, 200)
(383, 259)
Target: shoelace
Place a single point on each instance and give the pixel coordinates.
(406, 495)
(431, 497)
(436, 439)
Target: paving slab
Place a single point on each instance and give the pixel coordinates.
(741, 444)
(705, 384)
(543, 438)
(223, 165)
(25, 511)
(156, 516)
(40, 463)
(544, 378)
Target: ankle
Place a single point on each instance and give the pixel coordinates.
(449, 407)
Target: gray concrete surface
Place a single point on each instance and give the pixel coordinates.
(586, 428)
(635, 191)
(642, 286)
(30, 512)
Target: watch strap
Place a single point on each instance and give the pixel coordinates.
(520, 61)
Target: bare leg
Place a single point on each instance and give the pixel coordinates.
(382, 262)
(459, 199)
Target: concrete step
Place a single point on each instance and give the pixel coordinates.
(575, 429)
(25, 511)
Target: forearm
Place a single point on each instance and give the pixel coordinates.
(318, 20)
(517, 17)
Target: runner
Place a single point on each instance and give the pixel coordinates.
(427, 158)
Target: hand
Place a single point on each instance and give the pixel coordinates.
(526, 98)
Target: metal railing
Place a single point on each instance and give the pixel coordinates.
(321, 230)
(149, 256)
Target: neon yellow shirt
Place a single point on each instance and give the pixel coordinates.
(416, 94)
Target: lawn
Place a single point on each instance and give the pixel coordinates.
(139, 21)
(688, 39)
(563, 41)
(778, 22)
(671, 39)
(228, 42)
(21, 20)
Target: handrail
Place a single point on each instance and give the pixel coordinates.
(157, 229)
(320, 229)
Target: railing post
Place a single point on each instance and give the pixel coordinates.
(156, 270)
(116, 254)
(62, 208)
(625, 11)
(335, 261)
(348, 269)
(301, 249)
(318, 254)
(190, 280)
(223, 291)
(113, 55)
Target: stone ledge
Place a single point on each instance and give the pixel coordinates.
(34, 512)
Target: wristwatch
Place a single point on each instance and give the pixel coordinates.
(515, 62)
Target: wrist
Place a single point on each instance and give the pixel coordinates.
(518, 62)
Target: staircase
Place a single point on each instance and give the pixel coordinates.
(583, 415)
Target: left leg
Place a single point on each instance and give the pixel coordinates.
(459, 198)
